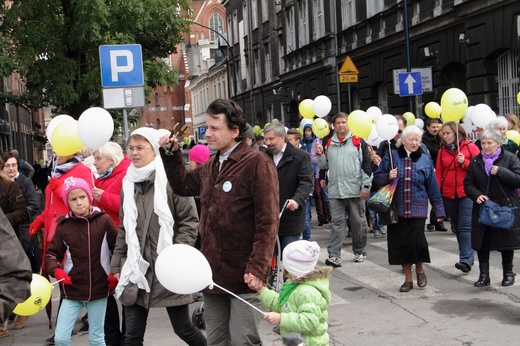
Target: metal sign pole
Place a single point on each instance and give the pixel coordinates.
(125, 125)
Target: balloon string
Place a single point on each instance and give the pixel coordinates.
(458, 145)
(54, 283)
(390, 151)
(234, 295)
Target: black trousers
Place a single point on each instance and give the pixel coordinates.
(135, 325)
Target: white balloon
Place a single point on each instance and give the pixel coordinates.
(374, 112)
(482, 115)
(419, 123)
(467, 115)
(471, 129)
(95, 127)
(321, 106)
(373, 138)
(387, 126)
(183, 269)
(304, 122)
(163, 132)
(55, 122)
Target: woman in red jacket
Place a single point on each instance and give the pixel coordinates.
(452, 163)
(111, 165)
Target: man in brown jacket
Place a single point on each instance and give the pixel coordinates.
(238, 189)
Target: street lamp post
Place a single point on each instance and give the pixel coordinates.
(230, 55)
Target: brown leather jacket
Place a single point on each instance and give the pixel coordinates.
(13, 204)
(239, 212)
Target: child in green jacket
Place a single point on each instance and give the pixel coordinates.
(301, 306)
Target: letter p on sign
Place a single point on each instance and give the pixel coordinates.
(121, 65)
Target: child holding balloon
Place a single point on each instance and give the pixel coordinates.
(79, 257)
(302, 304)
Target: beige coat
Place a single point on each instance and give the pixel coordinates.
(186, 220)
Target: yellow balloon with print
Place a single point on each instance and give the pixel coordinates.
(41, 291)
(320, 127)
(433, 110)
(65, 138)
(306, 108)
(359, 123)
(454, 103)
(514, 136)
(410, 118)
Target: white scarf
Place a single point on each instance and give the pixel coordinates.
(135, 267)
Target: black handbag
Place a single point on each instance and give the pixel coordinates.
(390, 217)
(493, 215)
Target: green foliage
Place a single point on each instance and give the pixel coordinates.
(54, 45)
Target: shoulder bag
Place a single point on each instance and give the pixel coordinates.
(493, 215)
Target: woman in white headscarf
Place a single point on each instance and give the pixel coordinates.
(152, 218)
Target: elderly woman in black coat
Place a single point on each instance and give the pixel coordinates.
(501, 170)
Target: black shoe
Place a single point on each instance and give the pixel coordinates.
(430, 227)
(50, 341)
(440, 228)
(463, 267)
(321, 223)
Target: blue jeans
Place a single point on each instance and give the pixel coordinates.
(459, 211)
(307, 231)
(374, 217)
(69, 312)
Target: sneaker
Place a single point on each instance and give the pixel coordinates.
(360, 257)
(333, 261)
(377, 234)
(382, 230)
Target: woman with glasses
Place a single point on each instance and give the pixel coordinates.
(416, 185)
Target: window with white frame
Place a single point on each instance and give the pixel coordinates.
(254, 14)
(303, 23)
(230, 29)
(382, 98)
(257, 68)
(348, 13)
(374, 7)
(508, 65)
(216, 23)
(318, 11)
(281, 53)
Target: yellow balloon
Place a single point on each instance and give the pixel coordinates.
(257, 130)
(274, 121)
(454, 103)
(65, 138)
(433, 110)
(359, 123)
(518, 97)
(514, 136)
(41, 291)
(320, 127)
(266, 124)
(299, 129)
(410, 118)
(306, 109)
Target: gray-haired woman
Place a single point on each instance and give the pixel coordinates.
(416, 185)
(501, 170)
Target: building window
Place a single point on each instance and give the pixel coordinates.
(216, 23)
(245, 15)
(268, 68)
(319, 19)
(348, 13)
(303, 23)
(158, 122)
(257, 66)
(235, 27)
(157, 104)
(382, 98)
(265, 11)
(291, 39)
(374, 7)
(508, 66)
(230, 29)
(254, 14)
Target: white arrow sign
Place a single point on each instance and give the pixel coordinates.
(410, 81)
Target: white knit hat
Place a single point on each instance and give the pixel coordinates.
(300, 257)
(151, 135)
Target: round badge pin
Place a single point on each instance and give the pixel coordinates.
(227, 186)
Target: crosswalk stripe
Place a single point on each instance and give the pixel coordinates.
(444, 261)
(376, 277)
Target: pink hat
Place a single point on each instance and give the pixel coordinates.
(199, 153)
(72, 183)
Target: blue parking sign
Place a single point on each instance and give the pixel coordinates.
(121, 65)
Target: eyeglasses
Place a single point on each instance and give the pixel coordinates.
(12, 165)
(139, 148)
